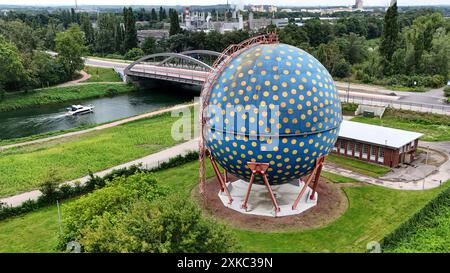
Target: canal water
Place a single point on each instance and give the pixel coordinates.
(49, 118)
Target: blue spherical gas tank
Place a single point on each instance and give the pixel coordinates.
(275, 104)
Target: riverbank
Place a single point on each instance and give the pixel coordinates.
(25, 168)
(39, 138)
(14, 101)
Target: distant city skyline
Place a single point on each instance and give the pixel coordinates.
(214, 2)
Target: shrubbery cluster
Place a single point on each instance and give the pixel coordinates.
(428, 217)
(52, 191)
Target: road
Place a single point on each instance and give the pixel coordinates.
(430, 101)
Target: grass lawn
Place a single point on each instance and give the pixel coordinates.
(34, 232)
(426, 232)
(358, 166)
(336, 178)
(406, 88)
(24, 168)
(374, 211)
(61, 94)
(431, 236)
(434, 127)
(99, 74)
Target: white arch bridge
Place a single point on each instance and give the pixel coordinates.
(188, 67)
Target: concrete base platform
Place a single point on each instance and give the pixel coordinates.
(259, 202)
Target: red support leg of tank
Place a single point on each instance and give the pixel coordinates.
(319, 165)
(261, 169)
(315, 174)
(274, 200)
(223, 186)
(225, 176)
(247, 195)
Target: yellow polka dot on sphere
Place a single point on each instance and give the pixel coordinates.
(281, 107)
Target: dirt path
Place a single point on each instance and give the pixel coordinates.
(332, 203)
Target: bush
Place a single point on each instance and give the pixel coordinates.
(435, 81)
(112, 91)
(416, 81)
(117, 195)
(49, 188)
(134, 54)
(68, 191)
(172, 225)
(349, 108)
(342, 69)
(447, 91)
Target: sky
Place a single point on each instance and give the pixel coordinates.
(209, 2)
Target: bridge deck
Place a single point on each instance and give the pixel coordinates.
(174, 74)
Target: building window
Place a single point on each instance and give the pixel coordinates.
(357, 147)
(372, 153)
(349, 148)
(365, 149)
(381, 154)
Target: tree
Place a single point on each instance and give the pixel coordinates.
(168, 225)
(11, 67)
(419, 41)
(71, 47)
(116, 196)
(389, 38)
(134, 54)
(318, 32)
(44, 70)
(437, 60)
(174, 23)
(119, 34)
(329, 55)
(214, 41)
(294, 35)
(19, 33)
(50, 35)
(341, 69)
(149, 45)
(130, 33)
(353, 47)
(106, 33)
(86, 27)
(154, 16)
(162, 13)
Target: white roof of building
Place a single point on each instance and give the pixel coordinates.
(379, 135)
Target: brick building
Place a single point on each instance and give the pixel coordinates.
(376, 144)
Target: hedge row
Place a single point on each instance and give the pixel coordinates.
(51, 192)
(418, 220)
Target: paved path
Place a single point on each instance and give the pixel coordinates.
(84, 76)
(100, 127)
(432, 181)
